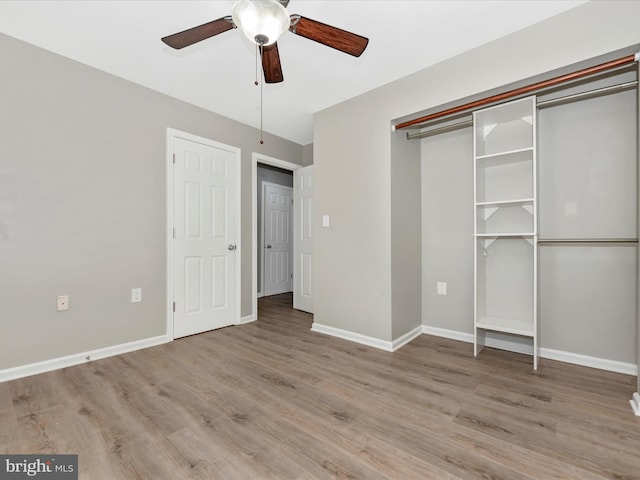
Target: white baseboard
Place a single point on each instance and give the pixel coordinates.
(406, 338)
(452, 334)
(587, 361)
(352, 336)
(635, 403)
(366, 340)
(567, 357)
(468, 338)
(247, 319)
(78, 358)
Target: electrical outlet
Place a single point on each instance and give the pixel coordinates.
(62, 303)
(441, 288)
(136, 295)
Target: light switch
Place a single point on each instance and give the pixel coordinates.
(441, 288)
(136, 295)
(325, 220)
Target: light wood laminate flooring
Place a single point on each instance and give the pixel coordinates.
(273, 400)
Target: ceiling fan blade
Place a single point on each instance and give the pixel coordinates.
(271, 64)
(333, 37)
(199, 33)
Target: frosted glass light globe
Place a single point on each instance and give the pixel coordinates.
(262, 21)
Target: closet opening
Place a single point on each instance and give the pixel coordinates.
(585, 229)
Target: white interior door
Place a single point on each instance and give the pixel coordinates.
(278, 235)
(303, 244)
(204, 245)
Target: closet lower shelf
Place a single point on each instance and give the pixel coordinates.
(506, 325)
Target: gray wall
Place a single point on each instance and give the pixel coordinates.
(352, 257)
(83, 200)
(307, 155)
(353, 153)
(268, 173)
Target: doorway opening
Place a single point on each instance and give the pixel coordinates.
(275, 230)
(270, 170)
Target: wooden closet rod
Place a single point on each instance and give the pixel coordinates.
(523, 90)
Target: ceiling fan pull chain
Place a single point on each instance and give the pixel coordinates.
(260, 47)
(261, 107)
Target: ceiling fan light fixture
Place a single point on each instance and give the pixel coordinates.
(262, 21)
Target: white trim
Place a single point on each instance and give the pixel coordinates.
(406, 338)
(78, 358)
(171, 134)
(169, 232)
(247, 319)
(567, 357)
(635, 403)
(238, 200)
(509, 345)
(352, 336)
(445, 333)
(588, 361)
(275, 162)
(502, 344)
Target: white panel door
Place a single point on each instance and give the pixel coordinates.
(204, 246)
(303, 244)
(278, 233)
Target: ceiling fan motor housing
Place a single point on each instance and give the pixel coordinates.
(261, 39)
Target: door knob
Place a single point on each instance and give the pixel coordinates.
(268, 246)
(231, 247)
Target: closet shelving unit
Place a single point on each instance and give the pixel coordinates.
(505, 233)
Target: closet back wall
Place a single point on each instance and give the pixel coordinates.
(447, 231)
(587, 191)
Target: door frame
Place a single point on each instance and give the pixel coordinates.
(261, 233)
(274, 162)
(171, 134)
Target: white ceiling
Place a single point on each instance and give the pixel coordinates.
(123, 38)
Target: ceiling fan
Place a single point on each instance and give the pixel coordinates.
(263, 22)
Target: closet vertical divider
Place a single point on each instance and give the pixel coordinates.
(505, 231)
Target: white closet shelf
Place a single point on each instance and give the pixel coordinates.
(505, 112)
(518, 155)
(506, 203)
(502, 235)
(506, 325)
